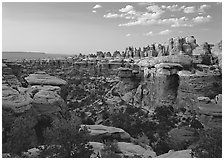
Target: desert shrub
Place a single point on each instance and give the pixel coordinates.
(165, 119)
(133, 121)
(22, 135)
(209, 144)
(110, 150)
(67, 134)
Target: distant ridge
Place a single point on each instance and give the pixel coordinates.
(13, 56)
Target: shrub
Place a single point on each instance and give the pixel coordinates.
(67, 134)
(209, 144)
(110, 150)
(22, 135)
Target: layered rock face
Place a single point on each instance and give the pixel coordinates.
(167, 83)
(48, 102)
(8, 76)
(17, 101)
(210, 111)
(41, 78)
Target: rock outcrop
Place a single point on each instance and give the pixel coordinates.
(41, 78)
(106, 131)
(48, 102)
(19, 102)
(176, 154)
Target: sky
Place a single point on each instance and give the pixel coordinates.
(88, 27)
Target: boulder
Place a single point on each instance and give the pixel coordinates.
(176, 154)
(47, 102)
(18, 102)
(106, 131)
(132, 150)
(41, 78)
(184, 60)
(36, 88)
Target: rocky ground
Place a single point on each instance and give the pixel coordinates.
(152, 107)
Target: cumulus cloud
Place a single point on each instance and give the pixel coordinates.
(128, 35)
(165, 32)
(126, 9)
(97, 6)
(113, 15)
(155, 11)
(203, 7)
(201, 19)
(176, 22)
(175, 8)
(191, 9)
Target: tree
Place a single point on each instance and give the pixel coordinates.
(209, 144)
(22, 135)
(67, 139)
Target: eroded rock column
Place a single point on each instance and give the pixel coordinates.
(166, 83)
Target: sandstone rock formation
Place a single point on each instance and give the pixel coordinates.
(41, 78)
(48, 102)
(106, 131)
(176, 154)
(19, 102)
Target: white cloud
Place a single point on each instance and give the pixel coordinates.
(94, 11)
(155, 10)
(126, 9)
(144, 18)
(190, 9)
(113, 15)
(175, 8)
(128, 35)
(201, 19)
(97, 6)
(203, 7)
(149, 33)
(176, 22)
(165, 32)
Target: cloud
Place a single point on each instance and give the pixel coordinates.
(190, 9)
(203, 7)
(94, 11)
(97, 6)
(113, 15)
(201, 19)
(126, 9)
(149, 33)
(153, 13)
(128, 35)
(175, 8)
(165, 32)
(155, 10)
(176, 22)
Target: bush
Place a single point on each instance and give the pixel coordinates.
(67, 140)
(209, 144)
(110, 150)
(22, 135)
